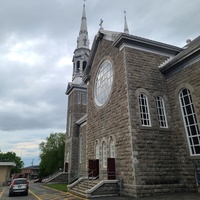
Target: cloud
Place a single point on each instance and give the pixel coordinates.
(37, 41)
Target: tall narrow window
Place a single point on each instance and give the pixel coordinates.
(78, 66)
(161, 112)
(112, 149)
(67, 157)
(190, 121)
(84, 65)
(80, 148)
(97, 150)
(84, 98)
(104, 155)
(144, 110)
(69, 125)
(79, 97)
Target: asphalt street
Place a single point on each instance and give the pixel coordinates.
(38, 191)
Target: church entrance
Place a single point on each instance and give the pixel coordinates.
(111, 168)
(93, 171)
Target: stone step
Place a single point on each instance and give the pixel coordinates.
(88, 185)
(82, 187)
(78, 193)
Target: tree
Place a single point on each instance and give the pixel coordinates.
(52, 154)
(12, 157)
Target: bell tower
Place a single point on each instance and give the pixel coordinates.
(82, 51)
(77, 98)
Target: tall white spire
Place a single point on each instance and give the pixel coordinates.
(125, 24)
(82, 52)
(83, 40)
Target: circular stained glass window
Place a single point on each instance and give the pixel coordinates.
(103, 83)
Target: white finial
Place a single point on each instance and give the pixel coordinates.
(101, 22)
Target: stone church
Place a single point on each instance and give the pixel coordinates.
(133, 112)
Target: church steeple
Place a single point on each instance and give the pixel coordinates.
(125, 24)
(82, 40)
(81, 53)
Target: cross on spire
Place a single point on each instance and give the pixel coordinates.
(101, 22)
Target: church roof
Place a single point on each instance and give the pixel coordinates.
(120, 39)
(189, 53)
(72, 86)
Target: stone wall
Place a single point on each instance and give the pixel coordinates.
(111, 119)
(75, 112)
(155, 148)
(83, 163)
(189, 78)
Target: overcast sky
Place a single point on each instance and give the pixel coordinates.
(37, 40)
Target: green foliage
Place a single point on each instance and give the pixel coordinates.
(12, 157)
(52, 154)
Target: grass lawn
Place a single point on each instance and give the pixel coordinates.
(58, 186)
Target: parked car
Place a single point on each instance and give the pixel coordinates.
(9, 182)
(19, 186)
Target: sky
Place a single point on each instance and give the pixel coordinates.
(37, 41)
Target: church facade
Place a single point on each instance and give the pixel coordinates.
(133, 112)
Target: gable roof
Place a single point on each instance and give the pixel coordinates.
(120, 39)
(32, 167)
(190, 53)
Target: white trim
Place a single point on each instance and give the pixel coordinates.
(82, 119)
(191, 137)
(146, 50)
(146, 107)
(161, 112)
(104, 154)
(103, 90)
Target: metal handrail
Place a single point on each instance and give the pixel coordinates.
(77, 176)
(52, 175)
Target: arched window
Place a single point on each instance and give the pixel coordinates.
(78, 66)
(84, 65)
(190, 121)
(112, 149)
(144, 110)
(97, 150)
(67, 157)
(104, 154)
(81, 148)
(161, 112)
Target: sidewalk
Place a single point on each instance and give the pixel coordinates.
(171, 196)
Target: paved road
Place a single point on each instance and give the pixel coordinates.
(38, 191)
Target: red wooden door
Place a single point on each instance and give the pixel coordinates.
(111, 168)
(66, 167)
(93, 168)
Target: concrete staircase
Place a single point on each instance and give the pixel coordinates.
(94, 188)
(59, 177)
(81, 187)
